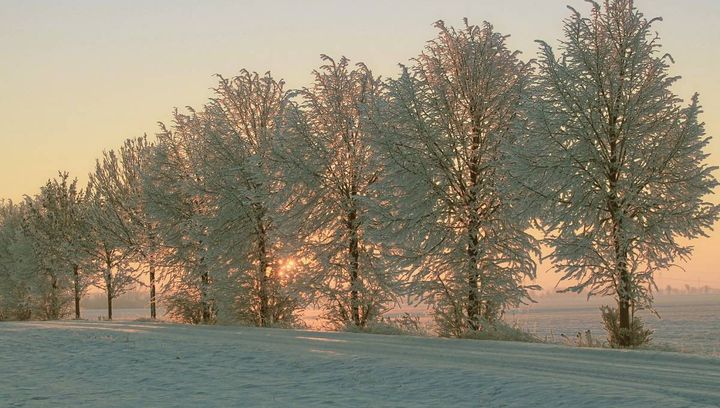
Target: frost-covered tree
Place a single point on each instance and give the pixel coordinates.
(330, 157)
(136, 154)
(123, 188)
(57, 220)
(18, 264)
(173, 190)
(111, 229)
(453, 116)
(620, 161)
(242, 177)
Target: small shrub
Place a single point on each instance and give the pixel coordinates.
(582, 339)
(17, 311)
(636, 336)
(187, 309)
(406, 324)
(501, 331)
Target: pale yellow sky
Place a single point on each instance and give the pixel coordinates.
(77, 77)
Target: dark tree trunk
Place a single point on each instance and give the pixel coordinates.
(617, 213)
(474, 306)
(623, 278)
(354, 258)
(109, 289)
(205, 304)
(624, 291)
(624, 303)
(153, 312)
(109, 303)
(53, 312)
(76, 277)
(265, 313)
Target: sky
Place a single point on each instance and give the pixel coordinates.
(79, 77)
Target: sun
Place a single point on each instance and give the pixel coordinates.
(286, 267)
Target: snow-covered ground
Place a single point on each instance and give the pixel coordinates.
(687, 323)
(132, 364)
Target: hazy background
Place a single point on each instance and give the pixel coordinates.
(77, 77)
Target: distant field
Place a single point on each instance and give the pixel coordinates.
(687, 323)
(130, 364)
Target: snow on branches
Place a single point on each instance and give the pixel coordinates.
(615, 156)
(453, 115)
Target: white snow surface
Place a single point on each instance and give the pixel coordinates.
(133, 364)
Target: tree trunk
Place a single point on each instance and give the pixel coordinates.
(265, 315)
(623, 288)
(617, 214)
(109, 289)
(205, 304)
(474, 305)
(153, 312)
(622, 274)
(76, 277)
(53, 310)
(109, 305)
(624, 301)
(354, 258)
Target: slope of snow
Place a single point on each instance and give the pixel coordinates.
(129, 364)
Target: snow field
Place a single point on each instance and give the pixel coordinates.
(129, 364)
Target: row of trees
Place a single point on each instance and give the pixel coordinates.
(356, 190)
